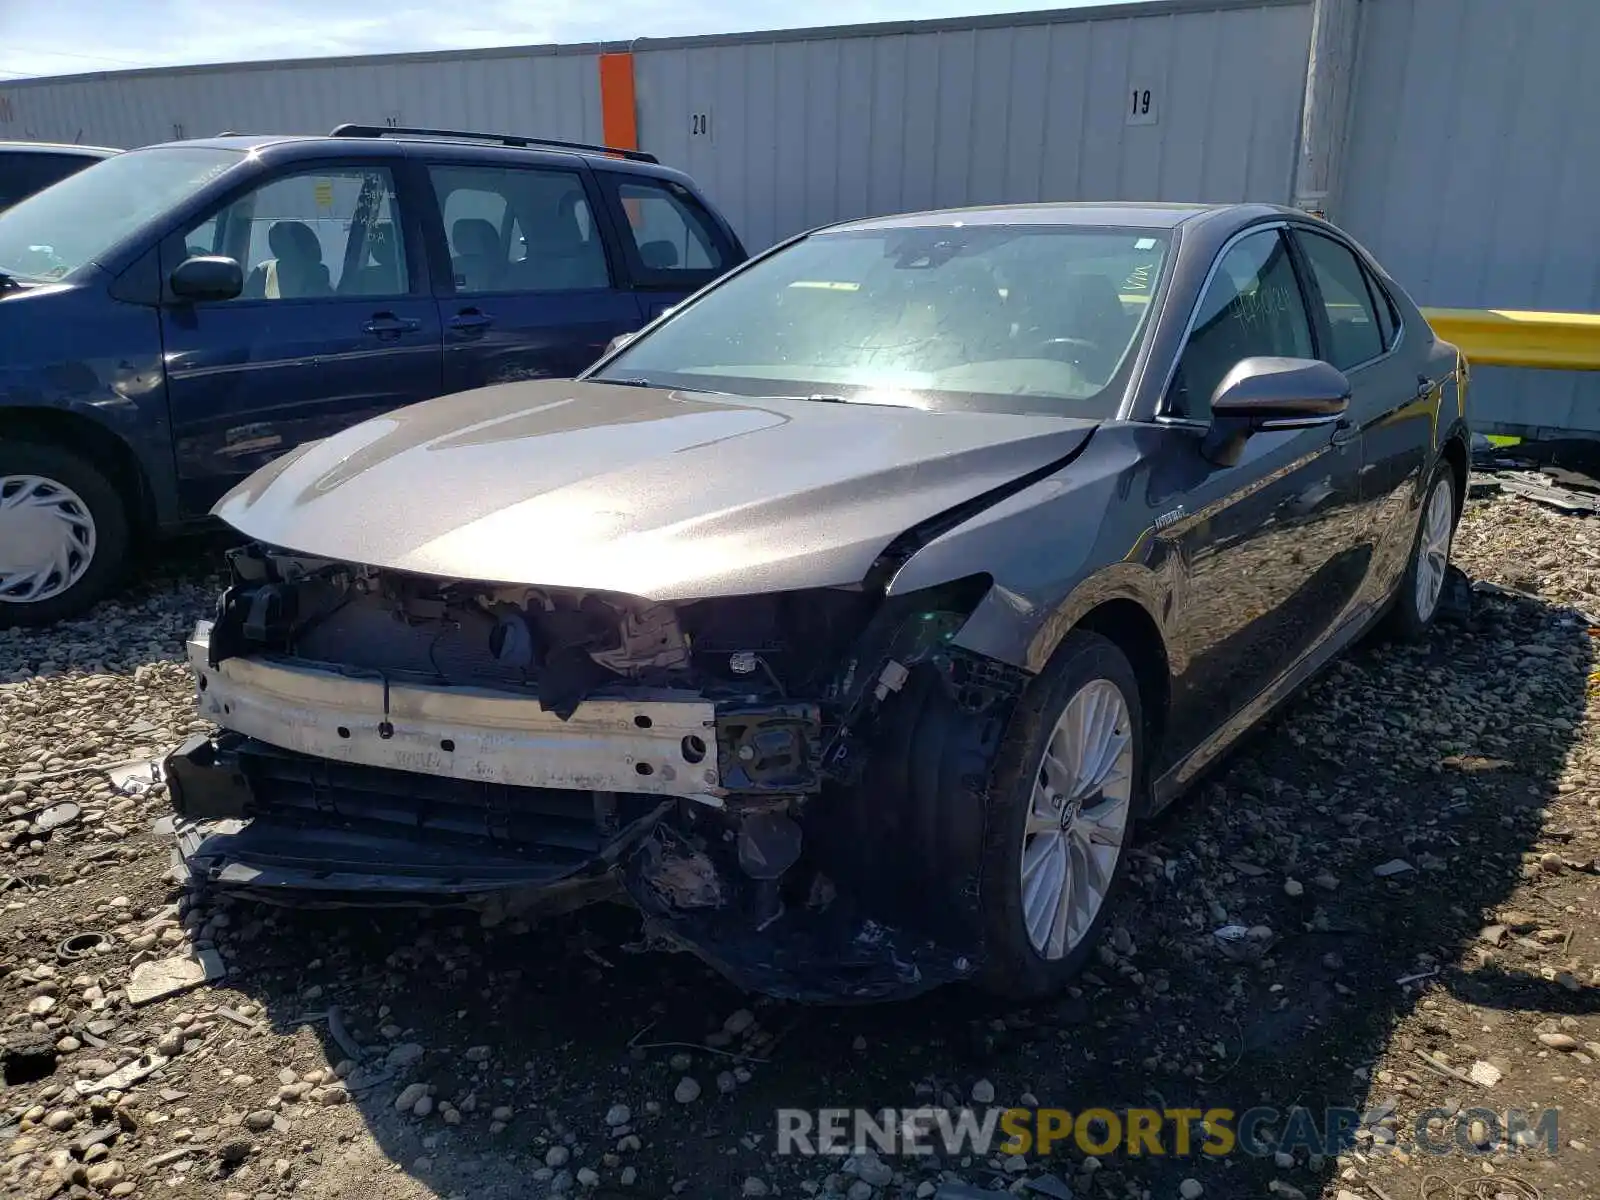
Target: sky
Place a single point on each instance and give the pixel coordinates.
(65, 37)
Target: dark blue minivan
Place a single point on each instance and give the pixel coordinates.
(173, 317)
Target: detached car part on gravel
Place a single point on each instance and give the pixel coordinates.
(849, 617)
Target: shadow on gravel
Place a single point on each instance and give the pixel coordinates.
(1439, 756)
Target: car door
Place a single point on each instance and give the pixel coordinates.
(671, 245)
(530, 291)
(334, 325)
(1392, 400)
(1266, 548)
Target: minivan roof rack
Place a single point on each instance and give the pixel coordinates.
(504, 139)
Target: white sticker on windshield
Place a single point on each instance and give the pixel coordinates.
(1145, 244)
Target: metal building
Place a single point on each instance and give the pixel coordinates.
(1167, 101)
(1454, 137)
(1178, 99)
(1471, 169)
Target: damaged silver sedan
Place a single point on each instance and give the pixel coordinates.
(848, 618)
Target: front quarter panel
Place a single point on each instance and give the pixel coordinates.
(71, 349)
(1055, 551)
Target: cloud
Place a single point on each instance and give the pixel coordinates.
(56, 37)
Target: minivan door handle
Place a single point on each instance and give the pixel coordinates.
(471, 320)
(387, 325)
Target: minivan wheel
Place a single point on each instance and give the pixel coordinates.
(1061, 814)
(1416, 600)
(63, 534)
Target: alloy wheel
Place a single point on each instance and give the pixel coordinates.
(1433, 547)
(1077, 818)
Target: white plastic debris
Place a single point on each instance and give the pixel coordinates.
(1485, 1074)
(169, 976)
(134, 778)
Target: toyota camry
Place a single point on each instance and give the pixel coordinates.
(847, 619)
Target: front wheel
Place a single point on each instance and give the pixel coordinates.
(63, 534)
(1417, 600)
(1061, 810)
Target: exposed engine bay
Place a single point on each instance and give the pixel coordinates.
(773, 779)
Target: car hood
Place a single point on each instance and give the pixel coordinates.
(648, 492)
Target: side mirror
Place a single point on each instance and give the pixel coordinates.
(1262, 394)
(207, 277)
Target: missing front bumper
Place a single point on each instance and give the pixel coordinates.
(657, 743)
(281, 824)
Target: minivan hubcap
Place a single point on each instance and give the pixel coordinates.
(1433, 548)
(1077, 818)
(47, 538)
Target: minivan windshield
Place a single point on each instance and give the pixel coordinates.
(1013, 318)
(54, 232)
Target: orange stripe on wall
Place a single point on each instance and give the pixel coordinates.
(619, 120)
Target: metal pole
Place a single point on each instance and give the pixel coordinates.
(1330, 70)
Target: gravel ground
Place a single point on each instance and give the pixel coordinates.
(360, 1056)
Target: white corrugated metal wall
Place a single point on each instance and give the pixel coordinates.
(797, 130)
(556, 94)
(1473, 169)
(794, 129)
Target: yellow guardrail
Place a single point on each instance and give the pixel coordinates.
(1499, 337)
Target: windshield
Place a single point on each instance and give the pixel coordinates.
(1020, 318)
(53, 233)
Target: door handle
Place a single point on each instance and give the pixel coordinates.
(1425, 387)
(387, 325)
(471, 320)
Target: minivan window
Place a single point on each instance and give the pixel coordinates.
(518, 230)
(670, 238)
(312, 234)
(51, 234)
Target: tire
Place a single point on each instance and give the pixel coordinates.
(73, 501)
(1022, 962)
(1416, 600)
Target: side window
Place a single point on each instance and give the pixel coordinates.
(671, 238)
(1353, 321)
(1388, 322)
(202, 239)
(1251, 308)
(312, 235)
(519, 230)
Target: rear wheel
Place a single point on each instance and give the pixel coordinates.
(1416, 601)
(63, 534)
(1062, 806)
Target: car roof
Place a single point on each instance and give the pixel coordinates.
(1088, 214)
(248, 143)
(59, 148)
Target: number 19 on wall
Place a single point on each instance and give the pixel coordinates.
(1140, 106)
